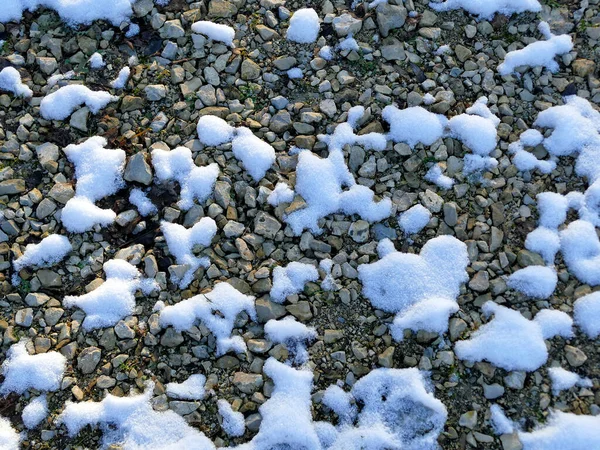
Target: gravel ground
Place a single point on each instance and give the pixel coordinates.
(177, 79)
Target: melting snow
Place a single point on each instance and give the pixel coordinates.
(564, 431)
(414, 219)
(511, 341)
(140, 200)
(114, 299)
(417, 286)
(50, 250)
(196, 183)
(233, 421)
(486, 9)
(291, 279)
(563, 379)
(23, 371)
(190, 389)
(217, 310)
(540, 53)
(35, 412)
(131, 423)
(293, 334)
(61, 103)
(121, 81)
(214, 31)
(181, 242)
(10, 80)
(304, 26)
(9, 438)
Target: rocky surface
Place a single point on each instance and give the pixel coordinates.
(178, 78)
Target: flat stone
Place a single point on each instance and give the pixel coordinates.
(250, 70)
(36, 299)
(390, 17)
(155, 92)
(88, 359)
(10, 187)
(359, 231)
(346, 24)
(468, 420)
(575, 356)
(266, 225)
(248, 383)
(138, 169)
(280, 122)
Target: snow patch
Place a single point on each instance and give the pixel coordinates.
(534, 281)
(486, 9)
(224, 299)
(10, 80)
(190, 389)
(114, 299)
(50, 250)
(197, 183)
(414, 219)
(215, 31)
(293, 334)
(23, 371)
(417, 287)
(563, 379)
(587, 314)
(304, 26)
(234, 423)
(540, 53)
(63, 102)
(291, 279)
(35, 412)
(181, 242)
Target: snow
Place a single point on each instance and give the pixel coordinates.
(73, 12)
(587, 314)
(509, 340)
(563, 379)
(213, 130)
(340, 402)
(534, 281)
(114, 299)
(398, 408)
(564, 431)
(96, 61)
(486, 9)
(414, 125)
(290, 399)
(414, 219)
(256, 155)
(80, 215)
(35, 412)
(54, 79)
(291, 333)
(328, 283)
(580, 248)
(190, 389)
(428, 315)
(9, 438)
(421, 289)
(499, 421)
(197, 183)
(526, 161)
(540, 53)
(23, 371)
(10, 80)
(281, 194)
(99, 173)
(552, 208)
(61, 103)
(181, 242)
(233, 422)
(304, 26)
(215, 31)
(435, 176)
(131, 423)
(544, 241)
(223, 298)
(320, 181)
(140, 200)
(291, 279)
(50, 250)
(121, 81)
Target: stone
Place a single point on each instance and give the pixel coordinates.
(266, 225)
(493, 391)
(390, 17)
(480, 282)
(284, 62)
(233, 229)
(47, 154)
(88, 359)
(10, 187)
(280, 122)
(172, 29)
(267, 310)
(45, 208)
(526, 258)
(248, 383)
(511, 442)
(386, 359)
(221, 8)
(359, 231)
(47, 64)
(300, 311)
(62, 192)
(250, 70)
(279, 102)
(183, 408)
(346, 24)
(575, 356)
(138, 169)
(431, 201)
(79, 119)
(171, 338)
(36, 299)
(583, 67)
(155, 92)
(49, 278)
(131, 103)
(132, 254)
(24, 317)
(450, 214)
(462, 52)
(468, 420)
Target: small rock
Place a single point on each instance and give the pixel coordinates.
(88, 359)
